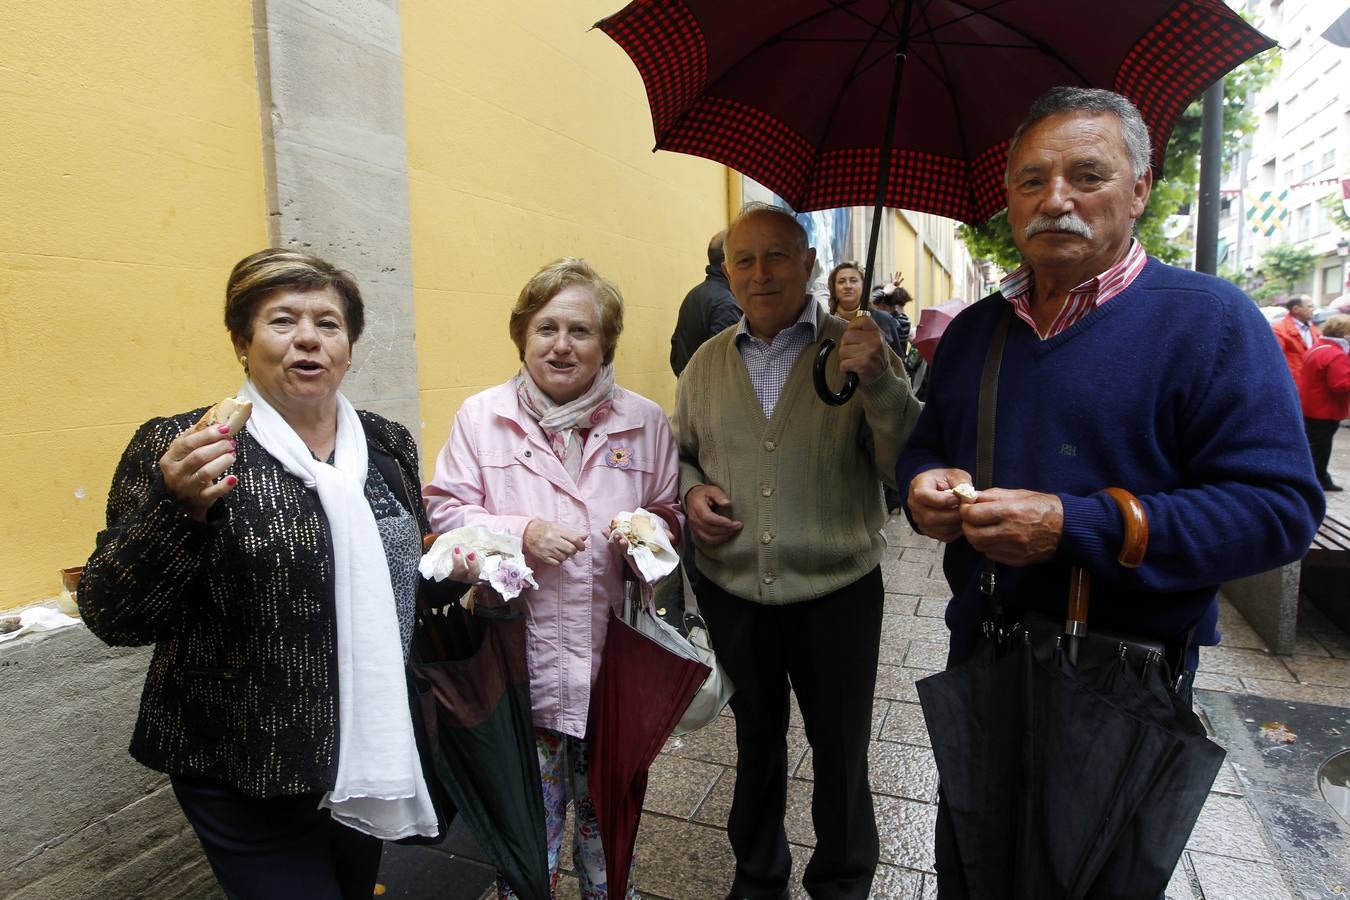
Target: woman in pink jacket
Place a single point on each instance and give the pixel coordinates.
(1325, 393)
(551, 456)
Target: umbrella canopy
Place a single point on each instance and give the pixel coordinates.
(640, 694)
(905, 103)
(471, 672)
(795, 93)
(933, 321)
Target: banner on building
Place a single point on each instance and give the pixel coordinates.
(1345, 195)
(1266, 211)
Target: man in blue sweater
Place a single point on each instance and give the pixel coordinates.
(1118, 370)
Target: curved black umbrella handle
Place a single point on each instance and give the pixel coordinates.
(823, 386)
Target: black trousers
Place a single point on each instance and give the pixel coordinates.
(1321, 432)
(277, 848)
(827, 650)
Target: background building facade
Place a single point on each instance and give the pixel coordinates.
(1299, 154)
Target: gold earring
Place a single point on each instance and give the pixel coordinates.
(243, 361)
(349, 363)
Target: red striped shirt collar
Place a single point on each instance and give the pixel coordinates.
(1089, 295)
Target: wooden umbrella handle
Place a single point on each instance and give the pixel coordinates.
(1135, 545)
(1132, 551)
(428, 540)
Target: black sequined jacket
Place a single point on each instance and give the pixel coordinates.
(242, 685)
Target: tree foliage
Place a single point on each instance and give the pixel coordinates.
(1181, 171)
(1335, 206)
(1283, 266)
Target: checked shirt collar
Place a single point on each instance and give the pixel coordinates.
(1089, 295)
(769, 364)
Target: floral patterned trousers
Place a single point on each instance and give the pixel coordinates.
(564, 763)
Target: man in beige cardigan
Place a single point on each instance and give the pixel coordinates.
(784, 499)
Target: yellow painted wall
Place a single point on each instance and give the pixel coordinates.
(529, 138)
(907, 261)
(130, 181)
(941, 281)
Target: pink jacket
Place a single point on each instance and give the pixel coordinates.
(498, 471)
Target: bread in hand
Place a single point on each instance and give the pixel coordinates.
(966, 492)
(231, 411)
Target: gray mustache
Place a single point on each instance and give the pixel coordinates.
(1067, 222)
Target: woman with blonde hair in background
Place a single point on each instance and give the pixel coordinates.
(846, 287)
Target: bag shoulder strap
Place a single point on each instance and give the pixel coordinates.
(993, 361)
(984, 441)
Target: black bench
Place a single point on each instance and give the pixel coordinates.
(1325, 576)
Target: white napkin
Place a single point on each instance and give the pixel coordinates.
(39, 618)
(654, 557)
(503, 560)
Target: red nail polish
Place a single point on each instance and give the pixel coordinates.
(233, 445)
(231, 480)
(457, 551)
(472, 557)
(224, 429)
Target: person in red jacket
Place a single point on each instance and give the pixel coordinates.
(1296, 332)
(1325, 392)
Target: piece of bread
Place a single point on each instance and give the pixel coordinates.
(231, 411)
(639, 529)
(643, 528)
(966, 492)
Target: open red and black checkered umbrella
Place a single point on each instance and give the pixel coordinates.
(808, 97)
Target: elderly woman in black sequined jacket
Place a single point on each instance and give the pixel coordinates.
(274, 570)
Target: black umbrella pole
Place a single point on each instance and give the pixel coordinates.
(883, 184)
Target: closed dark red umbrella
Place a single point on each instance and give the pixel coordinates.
(933, 321)
(640, 694)
(906, 103)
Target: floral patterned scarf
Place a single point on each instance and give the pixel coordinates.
(562, 424)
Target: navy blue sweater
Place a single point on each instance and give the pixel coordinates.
(1174, 390)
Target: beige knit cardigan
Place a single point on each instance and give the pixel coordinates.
(806, 483)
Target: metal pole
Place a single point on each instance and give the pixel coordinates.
(823, 389)
(884, 172)
(1211, 168)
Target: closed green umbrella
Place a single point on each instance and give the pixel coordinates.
(474, 686)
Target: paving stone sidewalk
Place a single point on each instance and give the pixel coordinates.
(682, 846)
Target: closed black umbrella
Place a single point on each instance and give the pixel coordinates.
(1064, 782)
(1068, 765)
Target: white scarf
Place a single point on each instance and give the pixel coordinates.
(379, 788)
